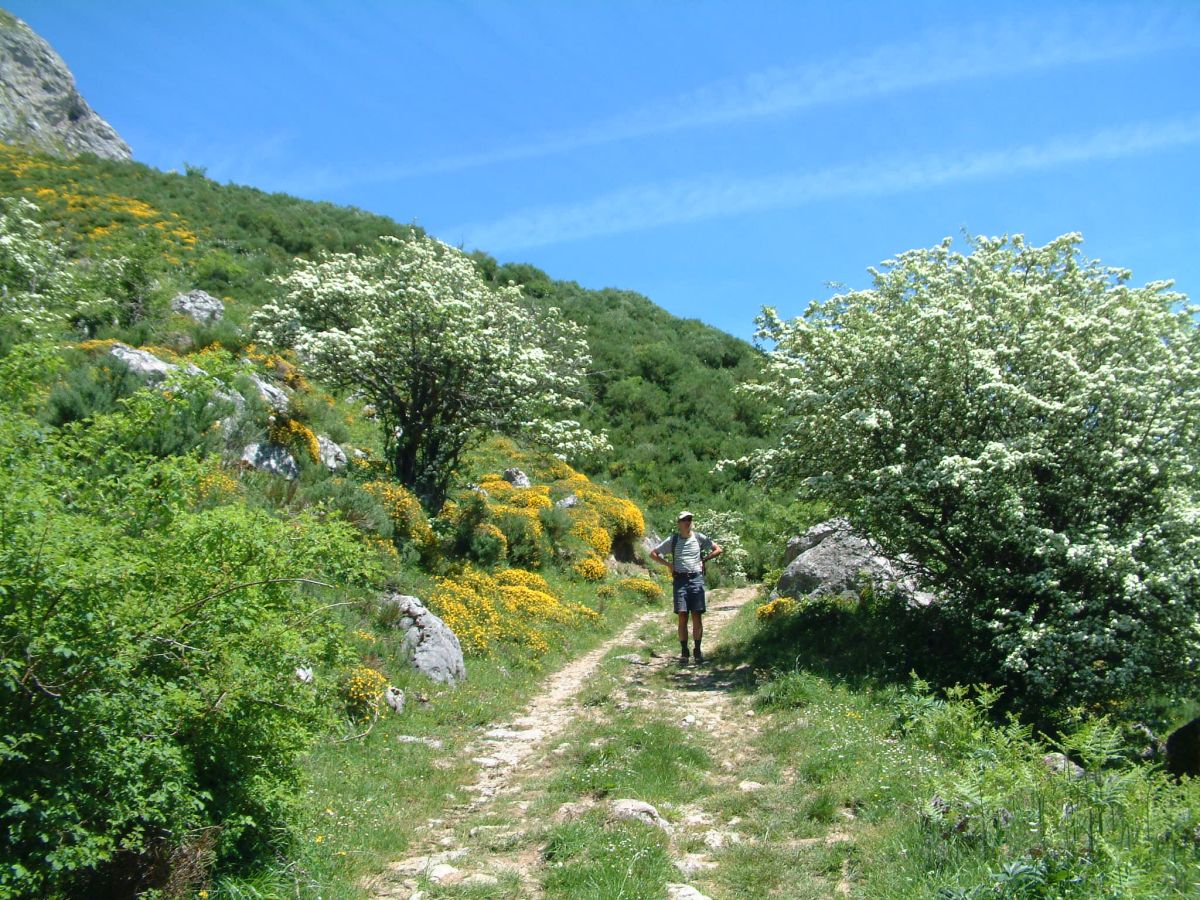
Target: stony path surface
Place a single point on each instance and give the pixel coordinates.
(513, 755)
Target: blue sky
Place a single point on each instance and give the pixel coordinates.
(713, 156)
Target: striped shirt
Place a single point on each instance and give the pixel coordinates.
(687, 552)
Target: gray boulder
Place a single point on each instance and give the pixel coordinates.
(1061, 764)
(802, 542)
(146, 364)
(333, 457)
(567, 502)
(832, 558)
(273, 459)
(275, 397)
(432, 647)
(394, 698)
(650, 540)
(199, 306)
(516, 478)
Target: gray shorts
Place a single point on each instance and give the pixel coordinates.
(688, 590)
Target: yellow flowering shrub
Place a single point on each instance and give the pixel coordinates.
(83, 211)
(295, 436)
(588, 529)
(483, 610)
(404, 509)
(496, 487)
(643, 587)
(555, 470)
(382, 546)
(591, 526)
(96, 344)
(522, 578)
(536, 497)
(498, 550)
(619, 516)
(465, 603)
(363, 689)
(280, 366)
(591, 568)
(777, 608)
(526, 517)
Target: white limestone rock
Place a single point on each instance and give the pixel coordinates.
(432, 647)
(333, 457)
(273, 459)
(199, 306)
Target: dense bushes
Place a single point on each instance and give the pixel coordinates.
(148, 637)
(1024, 424)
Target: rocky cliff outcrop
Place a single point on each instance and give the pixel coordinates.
(39, 105)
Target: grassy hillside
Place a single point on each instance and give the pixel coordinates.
(172, 590)
(662, 387)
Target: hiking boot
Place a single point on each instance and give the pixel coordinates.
(684, 657)
(699, 657)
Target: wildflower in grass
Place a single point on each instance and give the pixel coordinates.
(778, 608)
(363, 689)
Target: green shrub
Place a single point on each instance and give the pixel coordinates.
(89, 388)
(349, 501)
(148, 704)
(1001, 821)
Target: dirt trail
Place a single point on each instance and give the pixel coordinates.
(509, 753)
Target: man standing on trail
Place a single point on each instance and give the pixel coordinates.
(689, 551)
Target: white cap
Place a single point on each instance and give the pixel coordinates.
(684, 515)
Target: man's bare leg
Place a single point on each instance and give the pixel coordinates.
(683, 644)
(697, 634)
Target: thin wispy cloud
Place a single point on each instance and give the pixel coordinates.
(692, 200)
(946, 56)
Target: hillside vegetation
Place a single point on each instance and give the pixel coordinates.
(204, 524)
(659, 387)
(159, 593)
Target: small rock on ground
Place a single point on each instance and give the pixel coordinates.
(445, 874)
(480, 879)
(684, 892)
(639, 810)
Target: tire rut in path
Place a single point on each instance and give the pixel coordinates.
(504, 749)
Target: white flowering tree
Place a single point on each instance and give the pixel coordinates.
(33, 274)
(444, 358)
(1024, 423)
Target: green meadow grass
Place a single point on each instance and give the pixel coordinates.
(367, 798)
